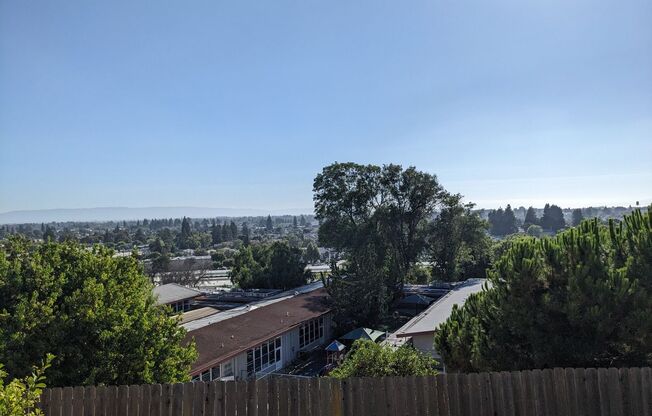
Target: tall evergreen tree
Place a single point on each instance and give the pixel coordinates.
(553, 218)
(530, 218)
(268, 224)
(577, 217)
(245, 234)
(580, 299)
(233, 230)
(294, 222)
(226, 232)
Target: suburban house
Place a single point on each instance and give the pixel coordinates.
(260, 338)
(177, 296)
(420, 330)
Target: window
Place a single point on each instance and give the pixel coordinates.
(264, 358)
(227, 369)
(311, 331)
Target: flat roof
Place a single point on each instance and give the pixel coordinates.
(173, 292)
(198, 313)
(225, 339)
(437, 313)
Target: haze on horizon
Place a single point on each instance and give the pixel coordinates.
(240, 104)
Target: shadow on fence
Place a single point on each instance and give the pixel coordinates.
(564, 392)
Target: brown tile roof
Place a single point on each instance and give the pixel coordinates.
(222, 340)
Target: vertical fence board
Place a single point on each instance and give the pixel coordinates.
(356, 395)
(283, 397)
(378, 405)
(634, 385)
(78, 401)
(592, 391)
(603, 391)
(571, 391)
(346, 397)
(581, 397)
(188, 389)
(314, 396)
(614, 391)
(55, 401)
(337, 405)
(199, 399)
(560, 390)
(122, 402)
(66, 397)
(241, 397)
(135, 400)
(420, 395)
(442, 395)
(646, 391)
(536, 386)
(44, 403)
(98, 404)
(550, 399)
(390, 399)
(230, 398)
(177, 399)
(324, 397)
(497, 392)
(453, 394)
(294, 397)
(155, 393)
(144, 407)
(464, 397)
(304, 397)
(261, 395)
(167, 400)
(88, 397)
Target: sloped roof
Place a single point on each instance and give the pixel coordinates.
(224, 339)
(173, 292)
(428, 320)
(363, 333)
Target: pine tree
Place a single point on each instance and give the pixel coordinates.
(580, 299)
(269, 225)
(245, 234)
(577, 217)
(233, 230)
(294, 222)
(553, 218)
(226, 232)
(530, 218)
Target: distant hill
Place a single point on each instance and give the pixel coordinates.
(125, 213)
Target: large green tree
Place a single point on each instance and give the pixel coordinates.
(553, 218)
(458, 243)
(581, 299)
(274, 266)
(379, 218)
(95, 312)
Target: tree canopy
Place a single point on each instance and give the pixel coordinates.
(95, 312)
(580, 299)
(274, 266)
(368, 359)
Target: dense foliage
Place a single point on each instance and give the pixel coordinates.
(384, 220)
(458, 244)
(273, 266)
(379, 218)
(93, 311)
(580, 299)
(503, 222)
(20, 397)
(368, 359)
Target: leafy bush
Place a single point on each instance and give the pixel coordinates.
(368, 359)
(20, 396)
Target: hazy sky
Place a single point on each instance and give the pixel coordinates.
(241, 103)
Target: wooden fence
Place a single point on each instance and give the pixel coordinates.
(558, 392)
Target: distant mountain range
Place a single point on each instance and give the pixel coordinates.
(126, 213)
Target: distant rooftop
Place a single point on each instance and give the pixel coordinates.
(438, 312)
(172, 292)
(198, 314)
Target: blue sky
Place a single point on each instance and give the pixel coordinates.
(240, 104)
